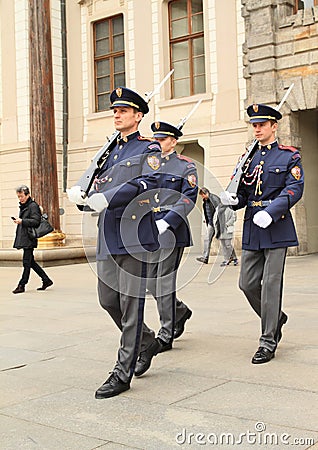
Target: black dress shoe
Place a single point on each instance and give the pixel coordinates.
(203, 260)
(263, 355)
(165, 346)
(281, 322)
(113, 386)
(45, 285)
(19, 289)
(144, 360)
(179, 328)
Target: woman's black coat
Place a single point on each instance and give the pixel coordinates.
(30, 214)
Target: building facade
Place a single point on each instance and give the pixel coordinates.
(227, 54)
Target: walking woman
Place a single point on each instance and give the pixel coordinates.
(29, 216)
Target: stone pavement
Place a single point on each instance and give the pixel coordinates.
(58, 346)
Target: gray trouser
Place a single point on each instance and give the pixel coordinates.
(121, 290)
(227, 248)
(208, 241)
(161, 282)
(261, 280)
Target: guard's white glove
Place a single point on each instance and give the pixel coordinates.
(76, 195)
(262, 219)
(97, 202)
(228, 199)
(162, 225)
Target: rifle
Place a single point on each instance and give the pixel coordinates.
(86, 180)
(246, 159)
(186, 118)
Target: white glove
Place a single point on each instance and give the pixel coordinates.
(262, 219)
(228, 199)
(162, 226)
(97, 202)
(76, 195)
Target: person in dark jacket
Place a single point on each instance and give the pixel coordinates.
(210, 203)
(29, 216)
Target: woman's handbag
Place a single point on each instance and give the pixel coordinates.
(42, 230)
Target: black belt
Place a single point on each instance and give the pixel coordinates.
(260, 203)
(162, 208)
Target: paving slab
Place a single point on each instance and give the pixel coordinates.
(57, 347)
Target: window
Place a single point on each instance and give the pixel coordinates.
(109, 59)
(187, 47)
(303, 4)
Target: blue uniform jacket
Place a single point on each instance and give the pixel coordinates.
(176, 199)
(127, 224)
(274, 174)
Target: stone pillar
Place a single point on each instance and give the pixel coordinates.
(44, 182)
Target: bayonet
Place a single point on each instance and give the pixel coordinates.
(186, 118)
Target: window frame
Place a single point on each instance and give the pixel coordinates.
(110, 56)
(189, 38)
(296, 6)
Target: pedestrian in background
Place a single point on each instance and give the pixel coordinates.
(29, 216)
(210, 203)
(223, 220)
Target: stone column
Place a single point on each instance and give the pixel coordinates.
(44, 181)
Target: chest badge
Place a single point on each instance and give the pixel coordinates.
(153, 162)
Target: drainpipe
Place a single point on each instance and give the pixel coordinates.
(65, 93)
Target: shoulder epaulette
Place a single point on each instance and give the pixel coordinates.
(286, 147)
(144, 138)
(184, 158)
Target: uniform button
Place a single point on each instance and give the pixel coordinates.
(133, 217)
(261, 162)
(120, 147)
(128, 163)
(163, 164)
(283, 217)
(116, 156)
(263, 153)
(110, 179)
(277, 170)
(167, 158)
(173, 179)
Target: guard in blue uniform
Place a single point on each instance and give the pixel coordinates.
(272, 185)
(175, 200)
(126, 232)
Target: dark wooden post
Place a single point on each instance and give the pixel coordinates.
(44, 181)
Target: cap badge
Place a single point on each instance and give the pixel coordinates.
(255, 108)
(157, 125)
(119, 92)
